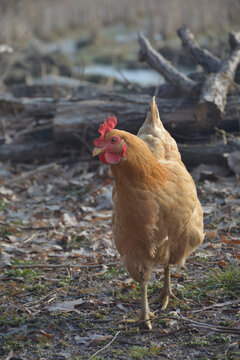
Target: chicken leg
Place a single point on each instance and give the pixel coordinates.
(146, 314)
(166, 291)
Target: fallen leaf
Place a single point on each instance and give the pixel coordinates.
(210, 235)
(5, 191)
(72, 305)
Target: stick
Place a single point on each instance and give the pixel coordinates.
(216, 305)
(97, 352)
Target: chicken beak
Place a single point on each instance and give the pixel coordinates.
(96, 151)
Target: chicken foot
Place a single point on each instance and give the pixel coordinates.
(166, 291)
(146, 314)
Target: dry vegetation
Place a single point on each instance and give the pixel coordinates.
(43, 18)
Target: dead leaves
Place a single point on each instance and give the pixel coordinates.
(230, 240)
(59, 223)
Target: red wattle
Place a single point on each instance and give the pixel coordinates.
(112, 158)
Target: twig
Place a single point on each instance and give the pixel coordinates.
(16, 266)
(97, 352)
(171, 332)
(33, 266)
(29, 173)
(216, 305)
(210, 327)
(84, 142)
(31, 129)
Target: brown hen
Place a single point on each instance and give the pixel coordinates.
(157, 217)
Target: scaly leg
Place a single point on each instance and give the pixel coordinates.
(146, 314)
(166, 291)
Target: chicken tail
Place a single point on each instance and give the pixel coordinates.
(152, 120)
(153, 114)
(157, 138)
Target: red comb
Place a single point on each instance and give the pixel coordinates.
(104, 128)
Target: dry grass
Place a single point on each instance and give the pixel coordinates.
(43, 18)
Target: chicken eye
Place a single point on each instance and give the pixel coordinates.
(113, 140)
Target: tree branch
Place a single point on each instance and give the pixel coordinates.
(209, 62)
(164, 67)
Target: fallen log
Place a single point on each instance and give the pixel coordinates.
(33, 107)
(164, 67)
(192, 154)
(212, 102)
(195, 154)
(83, 113)
(30, 152)
(82, 117)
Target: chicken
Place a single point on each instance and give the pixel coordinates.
(157, 217)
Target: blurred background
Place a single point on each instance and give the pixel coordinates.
(96, 40)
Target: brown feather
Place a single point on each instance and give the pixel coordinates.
(157, 217)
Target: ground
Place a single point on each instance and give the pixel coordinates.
(64, 293)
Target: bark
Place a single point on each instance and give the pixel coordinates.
(164, 67)
(213, 99)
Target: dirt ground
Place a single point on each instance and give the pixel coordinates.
(64, 293)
